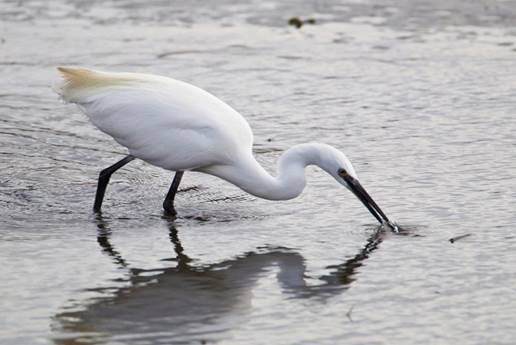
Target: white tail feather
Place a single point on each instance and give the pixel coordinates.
(79, 82)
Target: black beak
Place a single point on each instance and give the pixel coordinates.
(366, 199)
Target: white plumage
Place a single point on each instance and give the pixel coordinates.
(166, 122)
(180, 127)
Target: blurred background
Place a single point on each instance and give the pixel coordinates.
(418, 94)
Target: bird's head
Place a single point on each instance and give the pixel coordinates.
(338, 165)
(354, 185)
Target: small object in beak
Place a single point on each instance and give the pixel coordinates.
(393, 227)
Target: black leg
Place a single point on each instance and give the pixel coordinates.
(104, 177)
(168, 204)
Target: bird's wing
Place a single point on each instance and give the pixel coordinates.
(166, 122)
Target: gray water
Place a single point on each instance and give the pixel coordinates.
(419, 95)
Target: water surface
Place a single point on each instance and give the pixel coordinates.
(419, 95)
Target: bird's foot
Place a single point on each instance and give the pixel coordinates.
(169, 209)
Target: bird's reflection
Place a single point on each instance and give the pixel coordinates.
(103, 234)
(190, 302)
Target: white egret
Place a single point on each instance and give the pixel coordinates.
(180, 127)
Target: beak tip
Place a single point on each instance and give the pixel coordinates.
(393, 226)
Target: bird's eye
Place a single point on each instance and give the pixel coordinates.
(342, 172)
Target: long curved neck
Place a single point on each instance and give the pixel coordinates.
(289, 182)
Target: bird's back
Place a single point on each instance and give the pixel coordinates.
(166, 122)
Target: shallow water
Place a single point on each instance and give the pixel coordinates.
(420, 95)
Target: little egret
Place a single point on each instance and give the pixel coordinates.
(180, 127)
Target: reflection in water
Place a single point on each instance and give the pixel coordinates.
(189, 303)
(103, 239)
